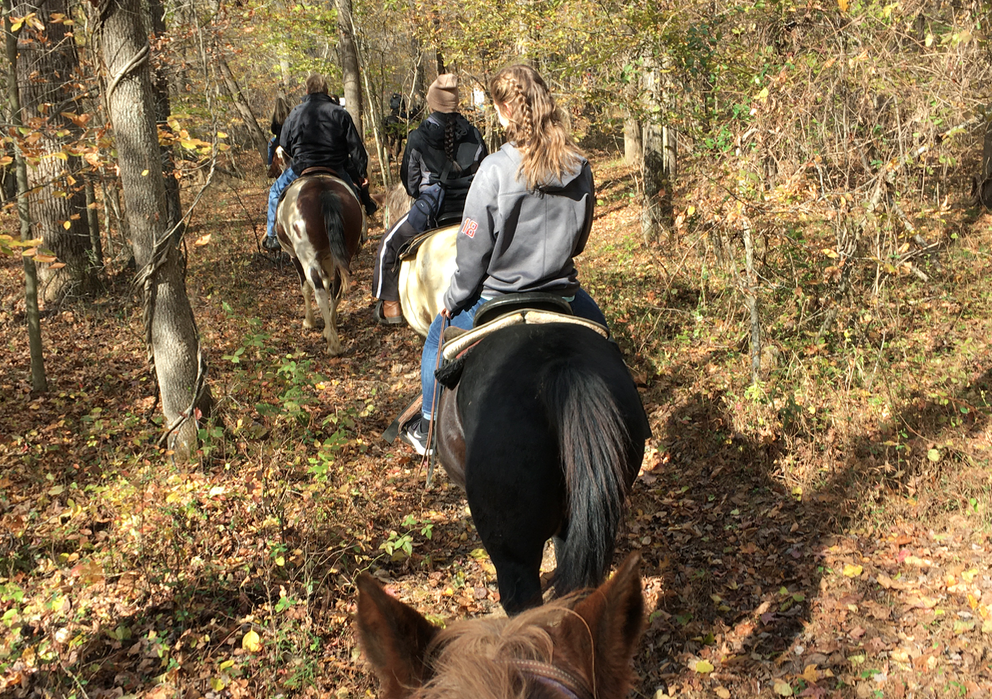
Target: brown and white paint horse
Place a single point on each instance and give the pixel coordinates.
(579, 647)
(321, 225)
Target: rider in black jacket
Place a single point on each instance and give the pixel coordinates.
(442, 156)
(320, 133)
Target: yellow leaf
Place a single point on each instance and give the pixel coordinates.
(703, 666)
(829, 253)
(782, 688)
(67, 224)
(202, 240)
(929, 40)
(690, 211)
(144, 173)
(722, 692)
(810, 674)
(842, 5)
(969, 575)
(851, 571)
(763, 95)
(221, 134)
(251, 642)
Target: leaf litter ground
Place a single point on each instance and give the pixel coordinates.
(779, 558)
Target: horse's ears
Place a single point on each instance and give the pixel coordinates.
(607, 625)
(395, 638)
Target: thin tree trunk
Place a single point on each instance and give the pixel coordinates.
(39, 382)
(348, 56)
(170, 329)
(751, 300)
(633, 152)
(255, 132)
(659, 163)
(983, 184)
(93, 219)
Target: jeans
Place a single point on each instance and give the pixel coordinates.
(278, 187)
(583, 306)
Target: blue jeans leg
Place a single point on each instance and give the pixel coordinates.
(432, 348)
(585, 307)
(278, 187)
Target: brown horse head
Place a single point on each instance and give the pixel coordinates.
(579, 647)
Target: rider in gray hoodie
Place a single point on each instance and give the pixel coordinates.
(513, 239)
(528, 213)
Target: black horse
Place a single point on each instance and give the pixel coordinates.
(545, 431)
(397, 124)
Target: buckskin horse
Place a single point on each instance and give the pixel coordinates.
(320, 224)
(577, 648)
(544, 430)
(426, 265)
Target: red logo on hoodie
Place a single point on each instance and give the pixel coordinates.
(469, 227)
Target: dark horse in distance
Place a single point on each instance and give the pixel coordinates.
(545, 431)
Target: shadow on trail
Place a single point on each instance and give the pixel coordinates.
(741, 558)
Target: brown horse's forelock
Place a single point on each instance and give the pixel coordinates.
(476, 658)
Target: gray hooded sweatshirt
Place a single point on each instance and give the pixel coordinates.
(512, 239)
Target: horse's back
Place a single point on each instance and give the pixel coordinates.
(424, 279)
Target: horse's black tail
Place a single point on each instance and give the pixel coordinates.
(593, 441)
(331, 205)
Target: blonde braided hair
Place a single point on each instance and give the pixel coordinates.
(535, 125)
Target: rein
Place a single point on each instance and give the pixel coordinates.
(429, 457)
(554, 677)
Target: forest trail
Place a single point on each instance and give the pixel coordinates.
(777, 561)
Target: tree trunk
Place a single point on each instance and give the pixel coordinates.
(348, 58)
(633, 152)
(163, 109)
(984, 180)
(255, 132)
(39, 381)
(170, 329)
(659, 163)
(46, 63)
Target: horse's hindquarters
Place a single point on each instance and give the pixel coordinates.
(321, 222)
(554, 432)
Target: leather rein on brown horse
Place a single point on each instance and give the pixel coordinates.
(554, 677)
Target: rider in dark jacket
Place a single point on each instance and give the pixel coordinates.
(320, 133)
(441, 158)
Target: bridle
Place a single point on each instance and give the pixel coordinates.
(554, 677)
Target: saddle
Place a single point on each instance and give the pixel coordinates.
(534, 308)
(409, 249)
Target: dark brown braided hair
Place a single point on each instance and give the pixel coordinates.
(535, 125)
(450, 122)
